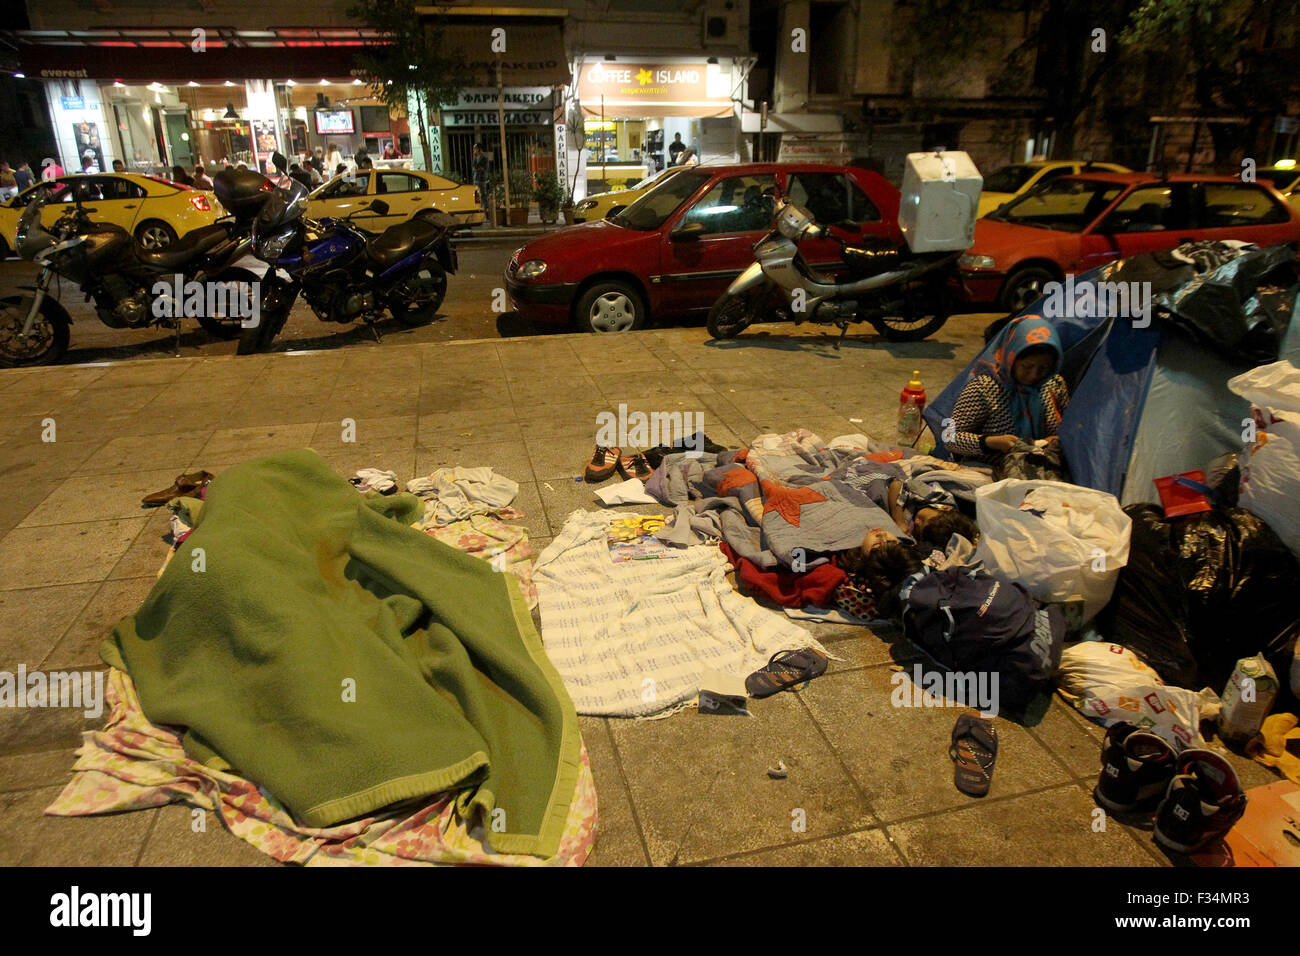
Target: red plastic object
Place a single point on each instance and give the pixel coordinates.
(1179, 497)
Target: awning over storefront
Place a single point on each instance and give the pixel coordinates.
(533, 54)
(649, 89)
(133, 64)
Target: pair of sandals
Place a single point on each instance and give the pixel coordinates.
(184, 486)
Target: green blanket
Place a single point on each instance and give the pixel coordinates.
(310, 640)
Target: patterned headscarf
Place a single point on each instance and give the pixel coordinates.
(1025, 402)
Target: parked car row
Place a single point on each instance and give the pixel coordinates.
(676, 248)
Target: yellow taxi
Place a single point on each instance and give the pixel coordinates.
(408, 193)
(602, 204)
(156, 211)
(1284, 175)
(1011, 181)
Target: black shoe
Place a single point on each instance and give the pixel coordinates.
(1136, 767)
(1202, 803)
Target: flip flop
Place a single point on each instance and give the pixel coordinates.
(786, 670)
(184, 485)
(974, 750)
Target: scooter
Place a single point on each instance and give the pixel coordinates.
(110, 268)
(344, 271)
(905, 296)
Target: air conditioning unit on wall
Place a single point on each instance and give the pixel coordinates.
(721, 25)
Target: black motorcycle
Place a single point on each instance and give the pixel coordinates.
(130, 287)
(342, 270)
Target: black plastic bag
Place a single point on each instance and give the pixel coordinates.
(1202, 591)
(1024, 460)
(1224, 477)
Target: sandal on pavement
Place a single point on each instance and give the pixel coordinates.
(184, 485)
(785, 671)
(974, 750)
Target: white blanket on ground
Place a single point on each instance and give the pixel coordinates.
(632, 639)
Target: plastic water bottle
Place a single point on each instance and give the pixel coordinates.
(911, 402)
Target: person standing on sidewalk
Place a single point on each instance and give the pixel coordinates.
(8, 182)
(480, 169)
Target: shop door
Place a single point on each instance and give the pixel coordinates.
(178, 132)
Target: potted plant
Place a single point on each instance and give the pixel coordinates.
(549, 195)
(521, 196)
(497, 191)
(566, 207)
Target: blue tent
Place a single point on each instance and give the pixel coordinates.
(1144, 402)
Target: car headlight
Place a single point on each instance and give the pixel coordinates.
(976, 262)
(585, 205)
(531, 269)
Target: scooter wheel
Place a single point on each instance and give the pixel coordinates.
(731, 315)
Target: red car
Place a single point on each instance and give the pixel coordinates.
(677, 248)
(1076, 223)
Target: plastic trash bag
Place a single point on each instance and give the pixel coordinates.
(1060, 541)
(1201, 591)
(1109, 684)
(1270, 473)
(1037, 461)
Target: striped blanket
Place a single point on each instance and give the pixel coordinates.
(632, 639)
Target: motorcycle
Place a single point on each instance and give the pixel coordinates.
(905, 296)
(110, 268)
(343, 271)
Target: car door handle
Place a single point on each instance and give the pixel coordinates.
(129, 206)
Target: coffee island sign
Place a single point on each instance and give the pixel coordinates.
(654, 81)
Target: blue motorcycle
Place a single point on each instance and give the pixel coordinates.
(343, 271)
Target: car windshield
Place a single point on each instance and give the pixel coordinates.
(1067, 204)
(1008, 179)
(658, 177)
(661, 201)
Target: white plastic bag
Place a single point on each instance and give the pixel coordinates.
(1057, 540)
(1270, 468)
(1107, 683)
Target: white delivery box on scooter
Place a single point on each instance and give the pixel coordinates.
(941, 195)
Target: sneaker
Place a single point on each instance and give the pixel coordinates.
(603, 464)
(1136, 767)
(1202, 803)
(635, 466)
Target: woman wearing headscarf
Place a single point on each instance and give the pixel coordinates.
(1017, 395)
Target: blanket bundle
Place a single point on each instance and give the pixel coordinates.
(345, 661)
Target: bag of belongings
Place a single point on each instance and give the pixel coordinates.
(1060, 541)
(1270, 474)
(1202, 591)
(972, 622)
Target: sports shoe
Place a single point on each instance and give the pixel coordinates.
(1202, 803)
(635, 466)
(1136, 767)
(603, 464)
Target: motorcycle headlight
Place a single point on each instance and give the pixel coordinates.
(272, 247)
(976, 262)
(531, 269)
(585, 205)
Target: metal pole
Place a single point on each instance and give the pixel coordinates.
(501, 130)
(602, 137)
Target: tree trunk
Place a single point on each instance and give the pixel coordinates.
(424, 133)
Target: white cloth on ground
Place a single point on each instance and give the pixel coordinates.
(630, 492)
(456, 493)
(372, 479)
(633, 639)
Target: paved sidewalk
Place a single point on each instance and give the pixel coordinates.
(873, 781)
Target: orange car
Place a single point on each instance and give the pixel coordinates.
(1076, 223)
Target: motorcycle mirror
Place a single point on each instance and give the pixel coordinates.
(689, 232)
(379, 207)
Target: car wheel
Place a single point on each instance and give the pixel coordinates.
(5, 251)
(611, 307)
(1023, 287)
(154, 235)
